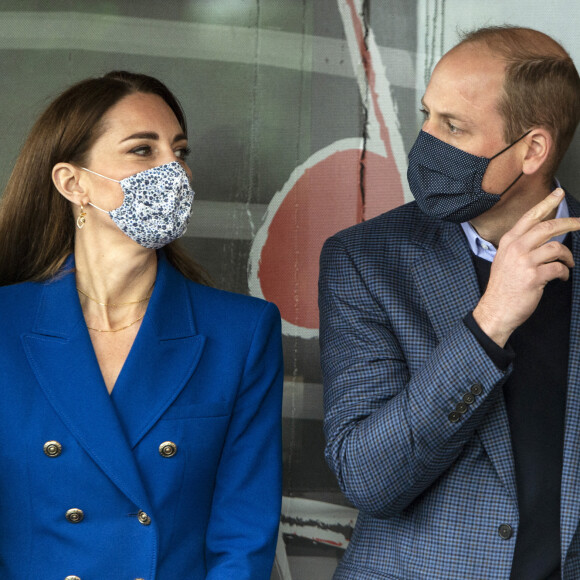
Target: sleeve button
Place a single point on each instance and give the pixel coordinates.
(461, 408)
(476, 389)
(468, 398)
(454, 416)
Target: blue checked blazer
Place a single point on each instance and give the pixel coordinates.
(396, 360)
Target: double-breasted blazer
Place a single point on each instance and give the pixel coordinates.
(176, 474)
(436, 492)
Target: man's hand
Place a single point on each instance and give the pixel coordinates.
(522, 267)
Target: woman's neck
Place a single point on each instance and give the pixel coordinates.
(114, 285)
(116, 276)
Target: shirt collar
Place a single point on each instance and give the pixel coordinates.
(486, 250)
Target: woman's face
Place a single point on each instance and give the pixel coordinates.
(140, 132)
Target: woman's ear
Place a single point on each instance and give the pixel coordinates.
(540, 149)
(66, 178)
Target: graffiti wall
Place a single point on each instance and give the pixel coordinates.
(301, 113)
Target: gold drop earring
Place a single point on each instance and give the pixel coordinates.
(81, 220)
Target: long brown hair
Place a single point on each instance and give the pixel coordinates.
(36, 225)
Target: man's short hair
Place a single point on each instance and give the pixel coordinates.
(541, 86)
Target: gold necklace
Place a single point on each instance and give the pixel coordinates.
(117, 303)
(117, 329)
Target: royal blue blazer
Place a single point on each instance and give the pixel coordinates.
(204, 378)
(433, 493)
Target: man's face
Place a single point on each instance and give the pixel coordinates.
(460, 108)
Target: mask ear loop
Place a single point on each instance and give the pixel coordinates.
(491, 158)
(104, 177)
(508, 187)
(99, 208)
(503, 151)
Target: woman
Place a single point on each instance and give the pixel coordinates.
(141, 427)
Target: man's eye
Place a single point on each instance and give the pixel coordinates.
(424, 112)
(453, 129)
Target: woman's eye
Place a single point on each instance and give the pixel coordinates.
(424, 112)
(142, 150)
(183, 153)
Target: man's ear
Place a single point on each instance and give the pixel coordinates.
(66, 178)
(540, 148)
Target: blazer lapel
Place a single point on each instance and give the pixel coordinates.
(446, 277)
(163, 357)
(61, 355)
(570, 504)
(447, 281)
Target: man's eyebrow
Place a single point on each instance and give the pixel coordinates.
(153, 136)
(448, 115)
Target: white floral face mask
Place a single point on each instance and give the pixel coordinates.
(157, 205)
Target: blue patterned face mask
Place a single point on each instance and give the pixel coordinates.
(446, 181)
(156, 207)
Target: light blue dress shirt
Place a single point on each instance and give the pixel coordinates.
(486, 250)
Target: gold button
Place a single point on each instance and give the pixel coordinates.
(74, 516)
(143, 518)
(52, 448)
(167, 449)
(72, 578)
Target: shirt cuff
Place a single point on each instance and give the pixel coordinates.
(501, 357)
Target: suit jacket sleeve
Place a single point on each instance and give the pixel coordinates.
(242, 533)
(389, 433)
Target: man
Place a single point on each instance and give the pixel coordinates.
(450, 333)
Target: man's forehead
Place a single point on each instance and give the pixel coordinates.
(469, 58)
(466, 77)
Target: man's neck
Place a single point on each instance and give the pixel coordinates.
(502, 217)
